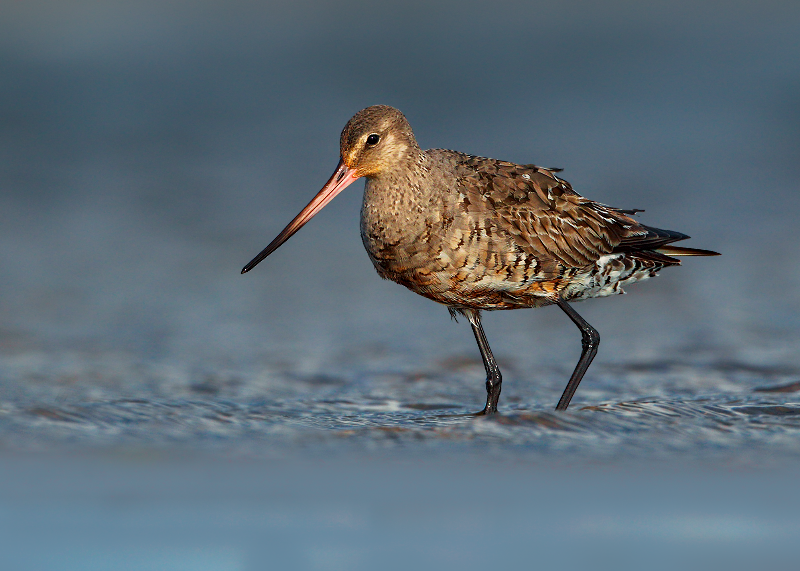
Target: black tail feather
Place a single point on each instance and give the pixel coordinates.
(652, 240)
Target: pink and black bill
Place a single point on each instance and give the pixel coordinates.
(342, 177)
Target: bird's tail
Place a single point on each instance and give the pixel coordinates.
(679, 251)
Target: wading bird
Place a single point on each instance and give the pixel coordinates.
(480, 234)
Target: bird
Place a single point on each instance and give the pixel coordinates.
(478, 234)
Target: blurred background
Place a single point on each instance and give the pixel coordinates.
(148, 150)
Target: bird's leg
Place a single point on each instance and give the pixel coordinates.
(494, 379)
(590, 342)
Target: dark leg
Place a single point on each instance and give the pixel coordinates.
(590, 342)
(494, 379)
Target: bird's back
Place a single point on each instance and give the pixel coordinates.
(490, 234)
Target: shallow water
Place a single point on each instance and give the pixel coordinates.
(725, 411)
(147, 152)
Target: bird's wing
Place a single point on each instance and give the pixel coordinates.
(545, 218)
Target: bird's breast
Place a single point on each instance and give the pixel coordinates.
(396, 222)
(392, 237)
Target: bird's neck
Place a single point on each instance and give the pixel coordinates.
(393, 214)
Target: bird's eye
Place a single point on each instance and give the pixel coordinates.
(373, 139)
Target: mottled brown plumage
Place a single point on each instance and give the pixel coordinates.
(475, 233)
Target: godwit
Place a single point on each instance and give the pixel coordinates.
(474, 233)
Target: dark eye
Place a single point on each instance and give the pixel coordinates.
(373, 139)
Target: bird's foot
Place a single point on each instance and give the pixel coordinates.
(487, 411)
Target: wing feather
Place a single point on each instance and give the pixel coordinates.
(551, 227)
(543, 216)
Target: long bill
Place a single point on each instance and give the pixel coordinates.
(342, 177)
